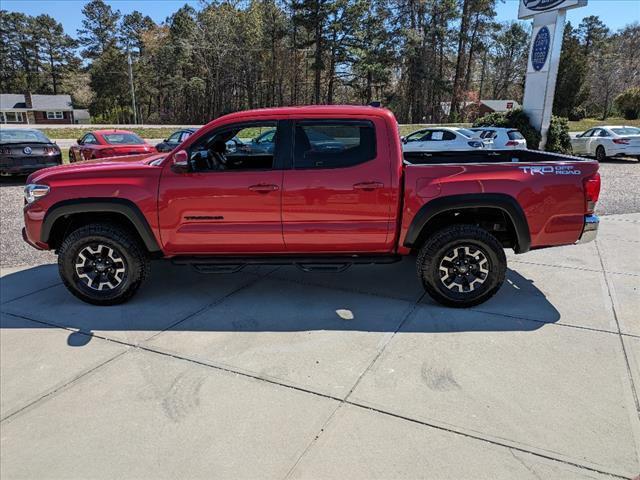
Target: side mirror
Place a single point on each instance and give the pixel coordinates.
(180, 162)
(79, 141)
(403, 139)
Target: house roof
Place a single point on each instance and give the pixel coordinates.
(51, 102)
(500, 105)
(11, 100)
(40, 102)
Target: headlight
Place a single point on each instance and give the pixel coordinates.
(33, 192)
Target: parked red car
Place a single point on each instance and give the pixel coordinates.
(309, 205)
(108, 143)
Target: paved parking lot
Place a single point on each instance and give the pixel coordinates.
(273, 373)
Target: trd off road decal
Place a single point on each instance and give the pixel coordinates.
(552, 170)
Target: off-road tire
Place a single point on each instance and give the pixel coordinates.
(124, 245)
(436, 250)
(601, 154)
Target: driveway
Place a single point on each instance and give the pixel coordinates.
(275, 373)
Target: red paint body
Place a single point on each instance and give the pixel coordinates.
(367, 208)
(104, 149)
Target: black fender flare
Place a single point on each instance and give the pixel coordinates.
(110, 205)
(504, 202)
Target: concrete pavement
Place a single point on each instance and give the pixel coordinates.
(274, 373)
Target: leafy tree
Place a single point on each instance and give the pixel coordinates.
(99, 28)
(57, 49)
(571, 74)
(628, 103)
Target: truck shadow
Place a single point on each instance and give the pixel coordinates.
(366, 298)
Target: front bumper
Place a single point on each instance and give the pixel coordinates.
(17, 168)
(590, 229)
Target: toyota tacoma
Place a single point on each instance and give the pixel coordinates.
(336, 190)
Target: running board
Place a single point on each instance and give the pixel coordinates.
(332, 264)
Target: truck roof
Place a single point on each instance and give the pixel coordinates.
(311, 110)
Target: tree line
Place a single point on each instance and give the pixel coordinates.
(411, 55)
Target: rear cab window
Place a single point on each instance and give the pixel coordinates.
(333, 143)
(515, 135)
(122, 139)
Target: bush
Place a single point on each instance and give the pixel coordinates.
(577, 114)
(516, 119)
(558, 139)
(628, 103)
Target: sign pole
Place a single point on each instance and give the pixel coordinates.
(544, 58)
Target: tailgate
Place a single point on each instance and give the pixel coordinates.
(550, 191)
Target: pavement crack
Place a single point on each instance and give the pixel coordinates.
(66, 385)
(624, 349)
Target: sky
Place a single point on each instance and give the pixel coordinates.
(614, 13)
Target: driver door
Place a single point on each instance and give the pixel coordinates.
(235, 209)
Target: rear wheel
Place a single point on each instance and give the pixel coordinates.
(601, 154)
(462, 266)
(102, 264)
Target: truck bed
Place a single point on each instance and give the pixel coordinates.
(540, 182)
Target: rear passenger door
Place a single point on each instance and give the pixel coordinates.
(337, 197)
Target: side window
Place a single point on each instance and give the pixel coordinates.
(437, 135)
(333, 143)
(448, 135)
(586, 134)
(184, 136)
(89, 139)
(604, 133)
(595, 132)
(419, 136)
(235, 147)
(175, 138)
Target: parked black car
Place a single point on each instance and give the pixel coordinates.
(23, 151)
(175, 139)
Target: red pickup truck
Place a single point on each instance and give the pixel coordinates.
(322, 187)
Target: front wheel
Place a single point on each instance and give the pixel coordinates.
(102, 264)
(462, 266)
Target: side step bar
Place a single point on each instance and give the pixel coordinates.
(332, 264)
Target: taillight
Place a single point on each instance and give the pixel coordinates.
(622, 141)
(511, 143)
(592, 191)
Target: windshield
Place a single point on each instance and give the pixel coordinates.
(123, 139)
(626, 131)
(20, 136)
(467, 133)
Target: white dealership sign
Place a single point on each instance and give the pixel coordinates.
(544, 57)
(531, 8)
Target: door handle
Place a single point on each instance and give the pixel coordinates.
(368, 186)
(264, 188)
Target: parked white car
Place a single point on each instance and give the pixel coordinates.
(442, 139)
(608, 141)
(503, 138)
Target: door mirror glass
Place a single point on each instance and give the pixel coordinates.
(180, 162)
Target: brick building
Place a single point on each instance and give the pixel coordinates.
(32, 109)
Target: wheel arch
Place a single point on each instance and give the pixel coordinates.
(63, 214)
(453, 209)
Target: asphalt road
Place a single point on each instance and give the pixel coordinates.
(620, 194)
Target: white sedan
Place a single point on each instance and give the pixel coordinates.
(442, 139)
(604, 142)
(503, 138)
